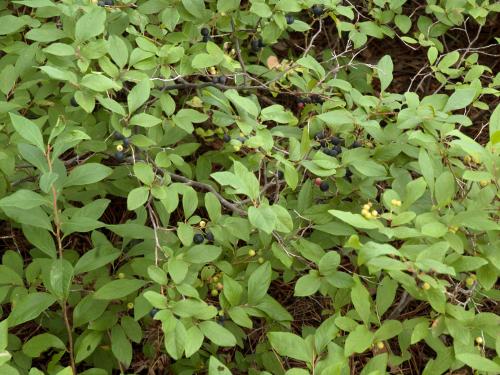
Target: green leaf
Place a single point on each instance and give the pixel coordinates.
(358, 340)
(263, 218)
(384, 71)
(118, 50)
(494, 128)
(137, 197)
(232, 290)
(121, 346)
(194, 340)
(290, 345)
(461, 98)
(24, 199)
(90, 24)
(87, 174)
(117, 289)
(258, 283)
(217, 334)
(29, 307)
(216, 367)
(28, 130)
(99, 82)
(138, 96)
(355, 220)
(86, 344)
(40, 343)
(479, 363)
(9, 277)
(361, 300)
(307, 285)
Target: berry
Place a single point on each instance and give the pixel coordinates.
(73, 102)
(316, 99)
(319, 135)
(280, 174)
(317, 10)
(300, 105)
(130, 305)
(101, 3)
(289, 19)
(380, 345)
(203, 224)
(261, 43)
(119, 148)
(215, 80)
(222, 80)
(119, 155)
(337, 149)
(356, 144)
(121, 275)
(219, 286)
(226, 138)
(126, 142)
(261, 260)
(317, 181)
(255, 45)
(214, 292)
(470, 281)
(479, 340)
(108, 2)
(484, 183)
(324, 186)
(209, 237)
(198, 238)
(206, 38)
(251, 253)
(426, 286)
(236, 148)
(153, 312)
(118, 136)
(205, 31)
(336, 141)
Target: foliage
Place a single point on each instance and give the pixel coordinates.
(179, 179)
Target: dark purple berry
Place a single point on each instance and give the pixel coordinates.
(222, 80)
(205, 31)
(119, 155)
(289, 19)
(126, 142)
(337, 149)
(356, 144)
(153, 312)
(198, 238)
(209, 236)
(317, 10)
(226, 138)
(336, 140)
(280, 174)
(319, 135)
(206, 38)
(101, 3)
(255, 46)
(324, 186)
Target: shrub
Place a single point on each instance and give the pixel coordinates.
(264, 187)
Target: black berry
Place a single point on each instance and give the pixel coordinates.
(118, 136)
(226, 138)
(153, 312)
(356, 144)
(280, 174)
(336, 140)
(222, 80)
(204, 31)
(206, 38)
(337, 149)
(261, 43)
(108, 2)
(119, 155)
(289, 19)
(126, 142)
(209, 236)
(324, 186)
(319, 135)
(317, 10)
(198, 238)
(255, 45)
(215, 80)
